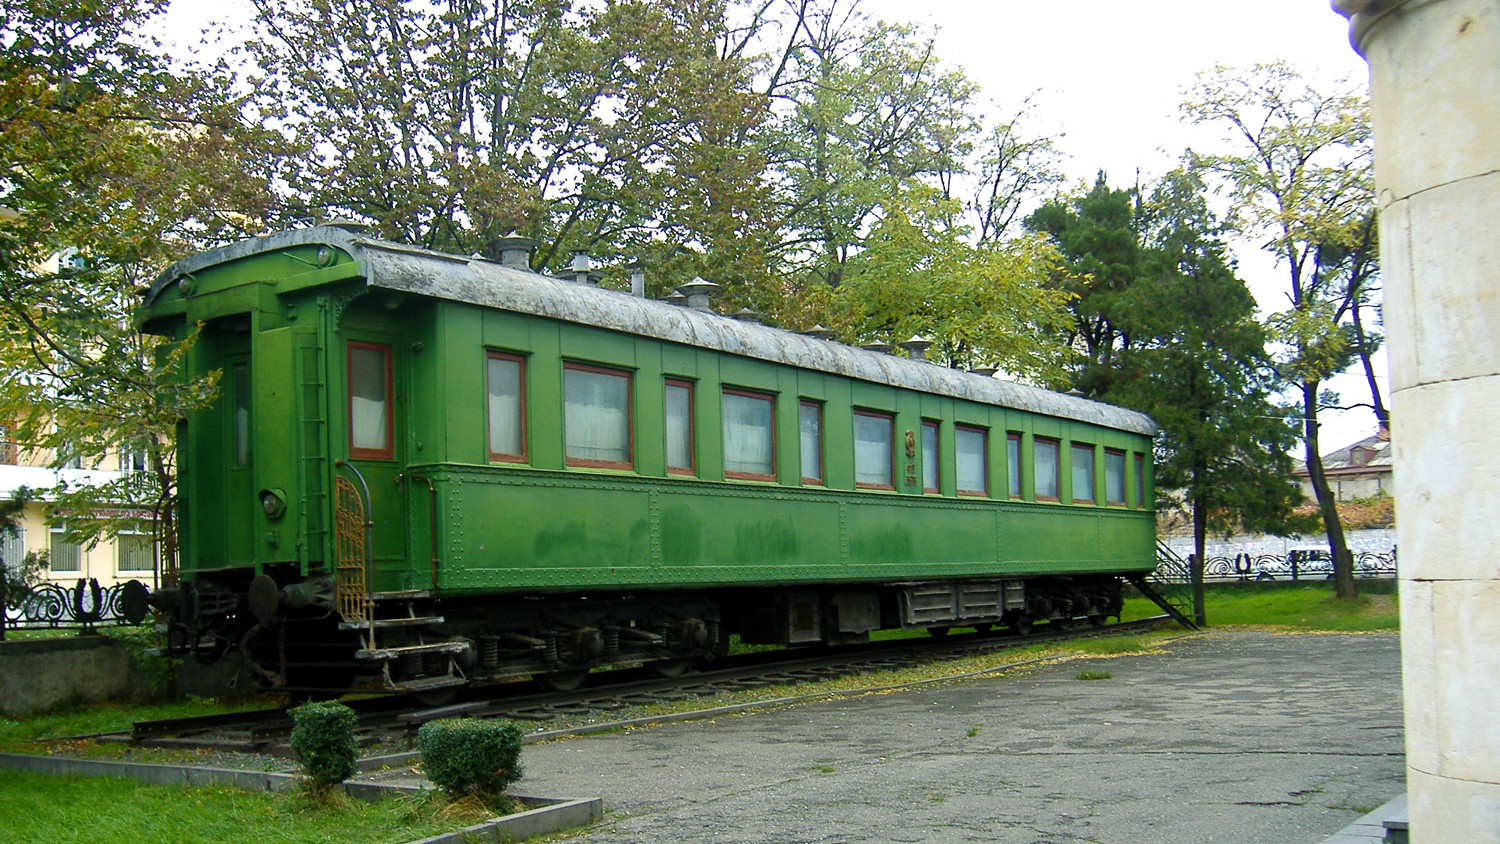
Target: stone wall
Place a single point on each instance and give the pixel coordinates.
(41, 674)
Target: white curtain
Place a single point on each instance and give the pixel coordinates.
(747, 435)
(872, 450)
(596, 416)
(969, 449)
(929, 457)
(505, 406)
(1044, 459)
(1114, 477)
(1083, 473)
(367, 398)
(679, 427)
(811, 426)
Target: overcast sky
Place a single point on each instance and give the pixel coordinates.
(1109, 76)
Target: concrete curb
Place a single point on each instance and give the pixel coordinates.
(547, 815)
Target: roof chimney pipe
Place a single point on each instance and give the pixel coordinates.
(514, 250)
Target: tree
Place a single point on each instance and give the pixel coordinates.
(115, 160)
(1097, 233)
(1198, 365)
(1299, 176)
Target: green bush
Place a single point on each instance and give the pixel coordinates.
(323, 739)
(467, 756)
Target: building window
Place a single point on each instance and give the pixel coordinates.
(68, 456)
(873, 462)
(1045, 468)
(9, 452)
(241, 377)
(971, 453)
(64, 555)
(1140, 481)
(679, 405)
(596, 417)
(13, 549)
(1083, 473)
(506, 378)
(810, 426)
(371, 434)
(749, 436)
(929, 456)
(1013, 463)
(1114, 477)
(135, 551)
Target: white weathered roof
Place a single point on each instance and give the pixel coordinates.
(479, 281)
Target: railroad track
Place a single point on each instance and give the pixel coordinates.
(384, 720)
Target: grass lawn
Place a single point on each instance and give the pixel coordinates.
(1305, 606)
(39, 808)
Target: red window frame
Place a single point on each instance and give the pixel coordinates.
(984, 460)
(817, 408)
(629, 418)
(1108, 453)
(501, 457)
(937, 449)
(890, 419)
(692, 443)
(389, 451)
(768, 397)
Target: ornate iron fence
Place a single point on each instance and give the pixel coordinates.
(84, 606)
(1243, 567)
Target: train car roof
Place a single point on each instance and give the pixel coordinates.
(480, 281)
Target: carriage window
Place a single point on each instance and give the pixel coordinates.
(596, 417)
(242, 412)
(1114, 477)
(749, 440)
(929, 456)
(970, 452)
(872, 450)
(370, 429)
(679, 399)
(1083, 473)
(810, 422)
(1013, 463)
(1045, 468)
(1140, 481)
(506, 375)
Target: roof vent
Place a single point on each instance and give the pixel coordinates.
(637, 269)
(986, 371)
(818, 332)
(513, 250)
(917, 347)
(883, 348)
(747, 315)
(675, 298)
(351, 226)
(699, 293)
(582, 265)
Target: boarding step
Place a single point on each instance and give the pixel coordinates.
(401, 595)
(426, 684)
(383, 623)
(410, 650)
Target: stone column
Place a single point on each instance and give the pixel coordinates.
(1435, 95)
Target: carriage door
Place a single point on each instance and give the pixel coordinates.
(375, 448)
(237, 530)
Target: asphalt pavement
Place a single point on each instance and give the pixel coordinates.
(1226, 737)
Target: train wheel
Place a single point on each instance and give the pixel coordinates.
(1098, 619)
(1020, 625)
(1061, 623)
(563, 681)
(669, 668)
(437, 697)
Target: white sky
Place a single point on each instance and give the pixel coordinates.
(1110, 75)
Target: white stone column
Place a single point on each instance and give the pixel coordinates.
(1435, 94)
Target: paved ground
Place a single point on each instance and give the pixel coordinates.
(1229, 737)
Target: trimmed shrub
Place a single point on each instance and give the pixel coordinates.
(323, 739)
(471, 757)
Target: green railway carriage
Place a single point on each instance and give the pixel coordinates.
(436, 469)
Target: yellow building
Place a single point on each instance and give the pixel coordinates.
(110, 561)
